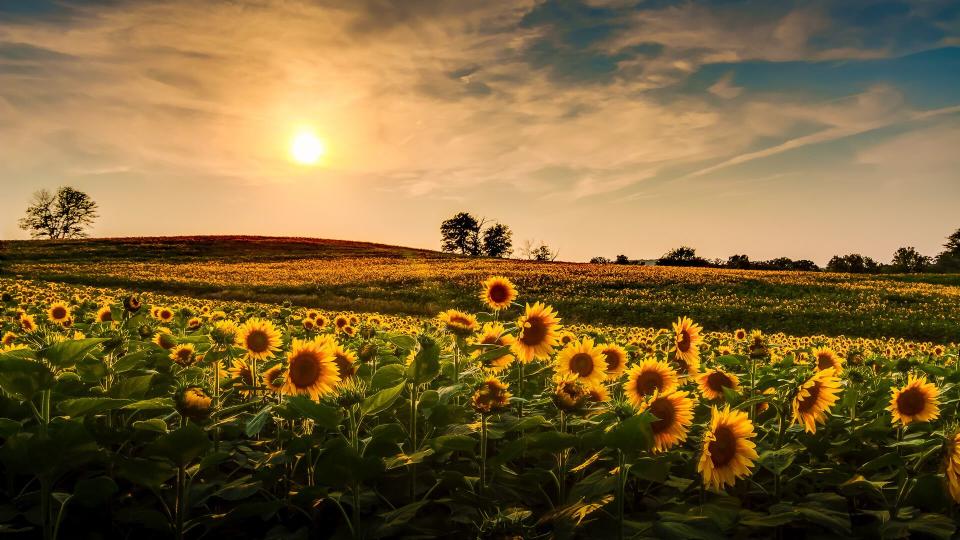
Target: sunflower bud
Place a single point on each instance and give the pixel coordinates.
(351, 392)
(570, 396)
(193, 402)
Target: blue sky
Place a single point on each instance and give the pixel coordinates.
(801, 129)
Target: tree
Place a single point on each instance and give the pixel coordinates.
(682, 256)
(64, 215)
(497, 241)
(854, 263)
(740, 262)
(949, 259)
(908, 260)
(600, 260)
(461, 234)
(622, 259)
(537, 251)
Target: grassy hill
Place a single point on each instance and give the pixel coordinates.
(360, 276)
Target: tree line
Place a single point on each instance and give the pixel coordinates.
(468, 235)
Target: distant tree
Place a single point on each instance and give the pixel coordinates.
(67, 214)
(622, 259)
(949, 259)
(537, 251)
(497, 241)
(3, 255)
(682, 256)
(461, 234)
(805, 265)
(909, 260)
(854, 263)
(600, 260)
(740, 262)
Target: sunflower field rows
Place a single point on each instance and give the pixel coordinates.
(156, 416)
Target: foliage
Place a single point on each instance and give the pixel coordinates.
(682, 256)
(461, 234)
(853, 264)
(909, 260)
(67, 214)
(497, 241)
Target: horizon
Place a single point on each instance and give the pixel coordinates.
(597, 127)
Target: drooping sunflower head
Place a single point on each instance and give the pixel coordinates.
(815, 398)
(918, 400)
(713, 381)
(615, 357)
(538, 328)
(674, 412)
(193, 402)
(274, 377)
(104, 315)
(582, 360)
(132, 303)
(686, 339)
(491, 396)
(259, 338)
(242, 374)
(164, 338)
(598, 393)
(727, 452)
(346, 362)
(224, 333)
(570, 395)
(184, 354)
(458, 323)
(498, 293)
(649, 377)
(351, 392)
(311, 369)
(825, 358)
(58, 313)
(493, 335)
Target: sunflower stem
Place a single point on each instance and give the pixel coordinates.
(413, 439)
(180, 502)
(562, 465)
(621, 463)
(483, 453)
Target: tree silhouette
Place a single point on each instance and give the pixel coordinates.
(497, 241)
(64, 215)
(461, 234)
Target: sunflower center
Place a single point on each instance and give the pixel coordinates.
(534, 332)
(824, 361)
(581, 364)
(663, 409)
(648, 381)
(911, 402)
(59, 313)
(612, 359)
(724, 446)
(258, 341)
(808, 402)
(459, 320)
(498, 293)
(490, 339)
(304, 369)
(717, 381)
(683, 341)
(344, 366)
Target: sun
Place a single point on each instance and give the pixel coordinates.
(306, 148)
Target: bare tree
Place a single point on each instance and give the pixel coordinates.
(64, 215)
(537, 251)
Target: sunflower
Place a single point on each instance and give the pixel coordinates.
(728, 452)
(570, 395)
(714, 381)
(340, 321)
(566, 338)
(274, 377)
(686, 338)
(491, 396)
(27, 323)
(240, 370)
(260, 338)
(308, 324)
(346, 362)
(493, 335)
(826, 359)
(58, 313)
(739, 334)
(183, 354)
(194, 323)
(165, 339)
(538, 326)
(458, 323)
(104, 315)
(349, 330)
(917, 400)
(498, 293)
(164, 314)
(7, 339)
(193, 402)
(224, 333)
(312, 314)
(320, 321)
(952, 472)
(616, 358)
(814, 399)
(598, 393)
(649, 377)
(582, 360)
(311, 369)
(674, 412)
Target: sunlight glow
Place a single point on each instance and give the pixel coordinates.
(306, 148)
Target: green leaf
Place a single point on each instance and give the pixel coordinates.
(146, 472)
(90, 405)
(131, 361)
(381, 400)
(631, 435)
(777, 461)
(64, 354)
(95, 492)
(322, 415)
(491, 354)
(426, 364)
(550, 441)
(387, 376)
(453, 443)
(9, 427)
(404, 342)
(256, 424)
(149, 404)
(181, 446)
(24, 378)
(154, 424)
(132, 387)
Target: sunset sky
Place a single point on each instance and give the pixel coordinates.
(800, 129)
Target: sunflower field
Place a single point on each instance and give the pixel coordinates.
(129, 415)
